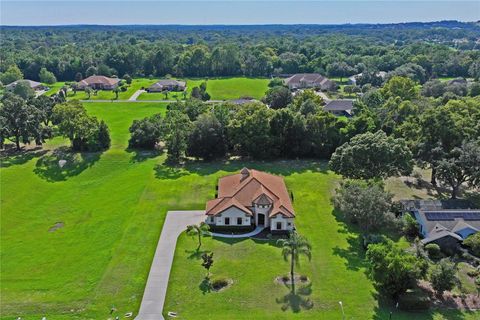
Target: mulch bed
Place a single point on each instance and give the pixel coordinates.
(450, 300)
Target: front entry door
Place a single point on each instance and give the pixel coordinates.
(261, 219)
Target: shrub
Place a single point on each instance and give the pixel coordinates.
(410, 226)
(443, 276)
(123, 88)
(473, 243)
(372, 239)
(433, 250)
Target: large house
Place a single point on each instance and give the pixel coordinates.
(353, 79)
(342, 107)
(309, 80)
(446, 223)
(167, 85)
(251, 198)
(98, 83)
(33, 84)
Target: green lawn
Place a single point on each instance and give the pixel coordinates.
(110, 208)
(221, 89)
(54, 88)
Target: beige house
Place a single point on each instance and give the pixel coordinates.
(167, 85)
(309, 80)
(98, 83)
(249, 199)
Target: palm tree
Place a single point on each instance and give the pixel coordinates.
(198, 230)
(116, 90)
(292, 248)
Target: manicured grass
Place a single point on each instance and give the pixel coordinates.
(234, 88)
(54, 88)
(112, 206)
(221, 89)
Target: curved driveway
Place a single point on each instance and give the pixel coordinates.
(156, 288)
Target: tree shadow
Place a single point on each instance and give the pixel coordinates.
(196, 254)
(354, 253)
(298, 301)
(205, 286)
(11, 157)
(386, 306)
(49, 166)
(139, 155)
(166, 172)
(277, 167)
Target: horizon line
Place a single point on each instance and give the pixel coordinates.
(235, 25)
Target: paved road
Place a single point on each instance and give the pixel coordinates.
(156, 288)
(136, 94)
(140, 101)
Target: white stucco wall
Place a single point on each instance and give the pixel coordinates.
(233, 213)
(284, 221)
(264, 211)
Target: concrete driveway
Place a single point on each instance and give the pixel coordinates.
(156, 288)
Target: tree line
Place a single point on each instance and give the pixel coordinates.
(35, 119)
(64, 53)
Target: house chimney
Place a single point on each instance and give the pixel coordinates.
(245, 173)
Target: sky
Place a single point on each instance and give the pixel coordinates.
(237, 12)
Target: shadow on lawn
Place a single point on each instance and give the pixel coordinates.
(139, 155)
(196, 254)
(278, 167)
(48, 166)
(298, 301)
(385, 306)
(11, 157)
(354, 254)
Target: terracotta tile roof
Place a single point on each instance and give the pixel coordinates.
(100, 80)
(249, 186)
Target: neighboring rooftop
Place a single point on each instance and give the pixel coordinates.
(307, 78)
(444, 218)
(169, 82)
(252, 187)
(339, 106)
(99, 80)
(33, 84)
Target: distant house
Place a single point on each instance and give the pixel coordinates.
(98, 83)
(342, 107)
(167, 85)
(446, 223)
(251, 198)
(353, 79)
(460, 80)
(242, 101)
(33, 84)
(309, 80)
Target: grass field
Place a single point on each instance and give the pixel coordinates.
(221, 89)
(54, 88)
(77, 241)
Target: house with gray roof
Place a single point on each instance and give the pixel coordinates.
(343, 107)
(33, 84)
(309, 80)
(446, 223)
(167, 85)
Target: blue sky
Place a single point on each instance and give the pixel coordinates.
(61, 12)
